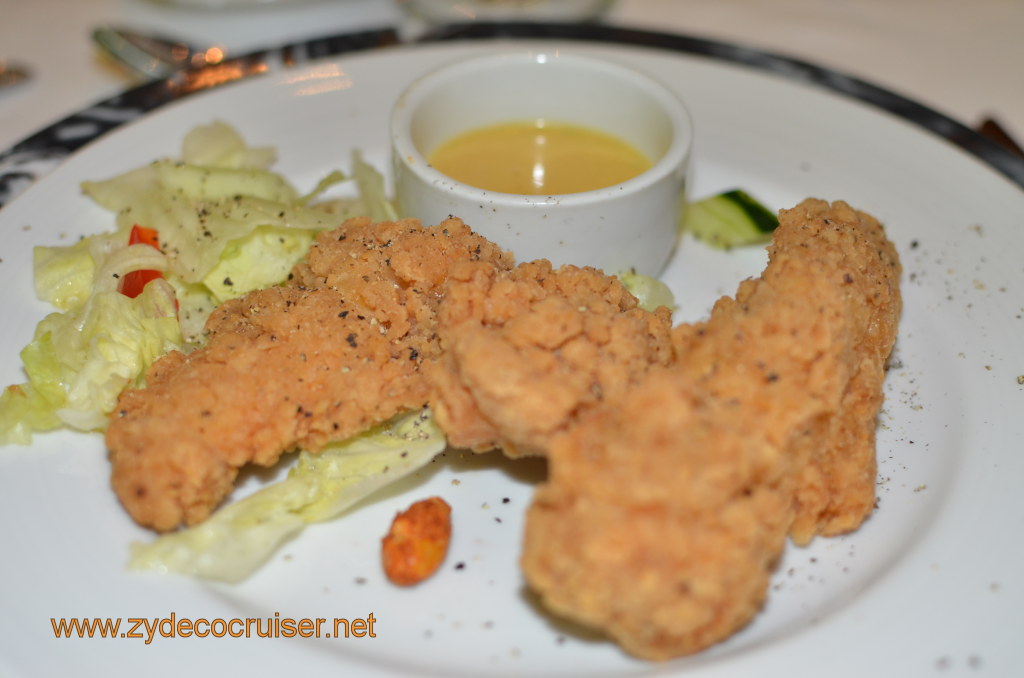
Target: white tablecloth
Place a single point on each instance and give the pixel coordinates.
(961, 58)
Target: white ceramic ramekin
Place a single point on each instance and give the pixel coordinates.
(629, 226)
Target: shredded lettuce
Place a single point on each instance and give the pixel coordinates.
(371, 189)
(196, 220)
(24, 410)
(64, 275)
(83, 356)
(261, 259)
(79, 361)
(220, 145)
(195, 304)
(226, 224)
(241, 536)
(335, 177)
(203, 183)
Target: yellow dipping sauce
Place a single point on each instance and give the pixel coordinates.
(538, 158)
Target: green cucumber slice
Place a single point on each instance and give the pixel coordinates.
(730, 219)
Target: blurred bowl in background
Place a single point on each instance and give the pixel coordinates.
(451, 11)
(223, 4)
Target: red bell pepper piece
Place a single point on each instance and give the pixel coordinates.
(132, 283)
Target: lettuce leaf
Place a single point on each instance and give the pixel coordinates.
(241, 536)
(23, 411)
(64, 275)
(226, 224)
(220, 145)
(80, 360)
(263, 258)
(372, 191)
(197, 218)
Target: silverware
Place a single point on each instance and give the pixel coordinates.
(154, 56)
(12, 73)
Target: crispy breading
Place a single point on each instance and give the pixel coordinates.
(680, 459)
(526, 351)
(417, 542)
(666, 510)
(332, 352)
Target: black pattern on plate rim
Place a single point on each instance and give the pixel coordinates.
(30, 159)
(27, 161)
(997, 157)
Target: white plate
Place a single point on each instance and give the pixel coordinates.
(933, 580)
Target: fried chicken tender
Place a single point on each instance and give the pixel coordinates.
(525, 351)
(666, 510)
(321, 358)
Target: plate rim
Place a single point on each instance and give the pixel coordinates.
(28, 160)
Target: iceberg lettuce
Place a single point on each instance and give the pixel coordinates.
(220, 145)
(241, 536)
(263, 258)
(197, 221)
(80, 360)
(226, 225)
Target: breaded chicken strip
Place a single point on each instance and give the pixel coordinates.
(321, 358)
(666, 510)
(527, 351)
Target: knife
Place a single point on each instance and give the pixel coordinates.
(153, 56)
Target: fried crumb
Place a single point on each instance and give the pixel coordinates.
(417, 542)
